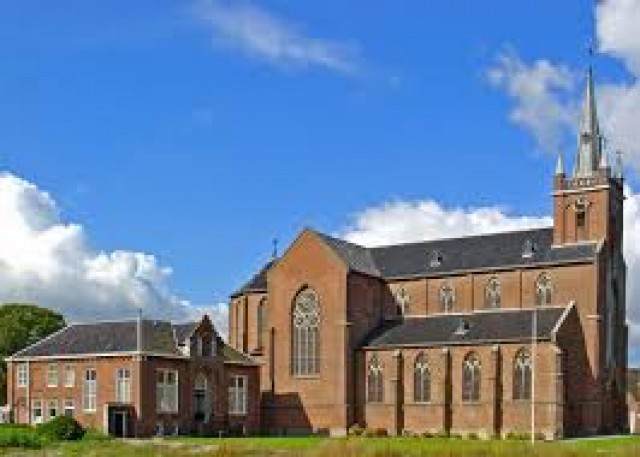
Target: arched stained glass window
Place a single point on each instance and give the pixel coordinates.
(522, 376)
(421, 380)
(261, 318)
(375, 381)
(492, 293)
(471, 378)
(543, 290)
(447, 297)
(402, 301)
(306, 333)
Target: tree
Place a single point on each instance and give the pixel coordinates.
(20, 326)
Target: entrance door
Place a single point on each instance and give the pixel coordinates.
(120, 424)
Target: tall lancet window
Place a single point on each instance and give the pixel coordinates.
(492, 293)
(261, 318)
(402, 301)
(375, 381)
(447, 297)
(306, 333)
(543, 290)
(522, 376)
(471, 378)
(421, 380)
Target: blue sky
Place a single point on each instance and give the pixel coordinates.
(159, 128)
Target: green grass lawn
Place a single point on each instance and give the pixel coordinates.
(327, 447)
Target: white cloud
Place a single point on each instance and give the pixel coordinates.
(618, 32)
(400, 222)
(49, 262)
(240, 25)
(540, 92)
(545, 95)
(403, 221)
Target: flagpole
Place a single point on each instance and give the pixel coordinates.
(534, 337)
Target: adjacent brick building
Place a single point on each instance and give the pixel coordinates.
(469, 335)
(137, 378)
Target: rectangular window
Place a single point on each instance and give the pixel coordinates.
(123, 385)
(22, 375)
(69, 376)
(52, 375)
(167, 391)
(238, 395)
(53, 409)
(199, 352)
(36, 412)
(89, 391)
(68, 407)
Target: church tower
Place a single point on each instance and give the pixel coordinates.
(588, 207)
(588, 204)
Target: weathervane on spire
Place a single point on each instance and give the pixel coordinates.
(274, 254)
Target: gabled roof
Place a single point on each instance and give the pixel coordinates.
(453, 255)
(505, 325)
(105, 338)
(184, 331)
(356, 257)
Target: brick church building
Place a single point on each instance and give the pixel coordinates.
(467, 335)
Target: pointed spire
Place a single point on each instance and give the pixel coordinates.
(589, 147)
(559, 165)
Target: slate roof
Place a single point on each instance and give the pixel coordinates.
(483, 327)
(105, 337)
(159, 337)
(184, 331)
(258, 283)
(356, 257)
(493, 251)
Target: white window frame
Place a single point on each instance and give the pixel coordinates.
(69, 376)
(238, 395)
(22, 375)
(52, 375)
(90, 391)
(68, 406)
(36, 405)
(123, 385)
(52, 405)
(167, 391)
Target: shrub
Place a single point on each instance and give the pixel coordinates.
(426, 435)
(380, 432)
(19, 436)
(61, 428)
(356, 430)
(473, 436)
(92, 434)
(443, 434)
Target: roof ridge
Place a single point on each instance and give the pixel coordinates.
(463, 237)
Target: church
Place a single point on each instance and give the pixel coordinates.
(481, 335)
